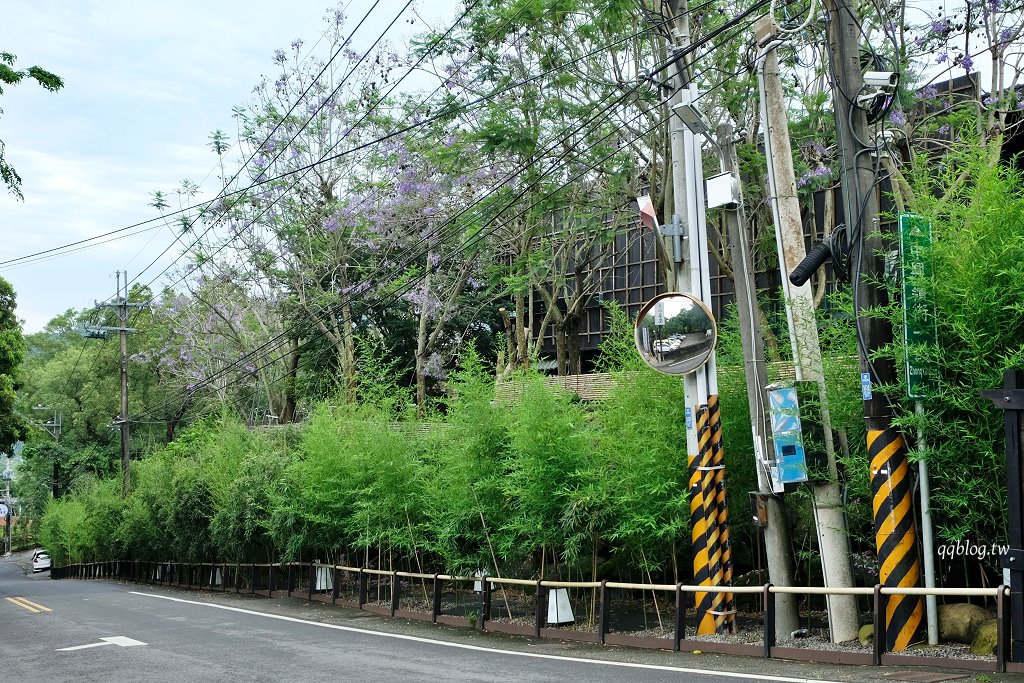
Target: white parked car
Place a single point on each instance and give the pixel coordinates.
(40, 561)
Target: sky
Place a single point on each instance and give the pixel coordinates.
(145, 86)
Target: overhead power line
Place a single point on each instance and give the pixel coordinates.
(263, 353)
(158, 221)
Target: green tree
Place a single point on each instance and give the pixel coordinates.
(11, 76)
(12, 351)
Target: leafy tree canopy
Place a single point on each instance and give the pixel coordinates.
(11, 76)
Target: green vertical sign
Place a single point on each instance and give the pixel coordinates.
(918, 309)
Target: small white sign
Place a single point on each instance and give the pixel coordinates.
(559, 609)
(3, 510)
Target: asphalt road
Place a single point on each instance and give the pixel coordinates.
(55, 631)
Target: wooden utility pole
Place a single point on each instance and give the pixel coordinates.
(778, 548)
(895, 528)
(122, 306)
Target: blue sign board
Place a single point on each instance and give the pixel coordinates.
(787, 436)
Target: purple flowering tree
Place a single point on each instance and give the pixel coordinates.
(295, 237)
(571, 138)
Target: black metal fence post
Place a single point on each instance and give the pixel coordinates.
(1010, 399)
(312, 579)
(334, 585)
(680, 625)
(485, 602)
(602, 614)
(769, 620)
(541, 608)
(362, 587)
(878, 616)
(396, 591)
(435, 607)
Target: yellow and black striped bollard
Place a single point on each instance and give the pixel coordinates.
(895, 537)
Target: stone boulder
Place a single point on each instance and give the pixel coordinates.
(958, 622)
(985, 637)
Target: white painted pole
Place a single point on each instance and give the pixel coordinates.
(927, 539)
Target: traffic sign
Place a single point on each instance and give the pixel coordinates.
(4, 510)
(919, 333)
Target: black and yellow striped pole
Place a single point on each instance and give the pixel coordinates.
(895, 537)
(726, 607)
(703, 526)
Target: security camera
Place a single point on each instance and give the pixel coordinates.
(881, 79)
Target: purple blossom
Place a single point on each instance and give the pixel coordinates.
(279, 56)
(356, 290)
(811, 175)
(942, 57)
(941, 26)
(919, 41)
(967, 63)
(928, 93)
(297, 44)
(897, 118)
(943, 129)
(434, 367)
(1004, 35)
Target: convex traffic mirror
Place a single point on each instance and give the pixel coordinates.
(675, 333)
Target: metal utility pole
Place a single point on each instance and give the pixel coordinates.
(895, 528)
(829, 514)
(122, 306)
(778, 548)
(712, 563)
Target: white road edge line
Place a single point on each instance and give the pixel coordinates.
(478, 648)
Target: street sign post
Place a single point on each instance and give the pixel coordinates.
(918, 308)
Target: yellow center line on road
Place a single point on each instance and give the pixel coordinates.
(25, 603)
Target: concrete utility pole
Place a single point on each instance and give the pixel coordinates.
(895, 528)
(778, 547)
(9, 517)
(829, 515)
(122, 306)
(712, 563)
(53, 427)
